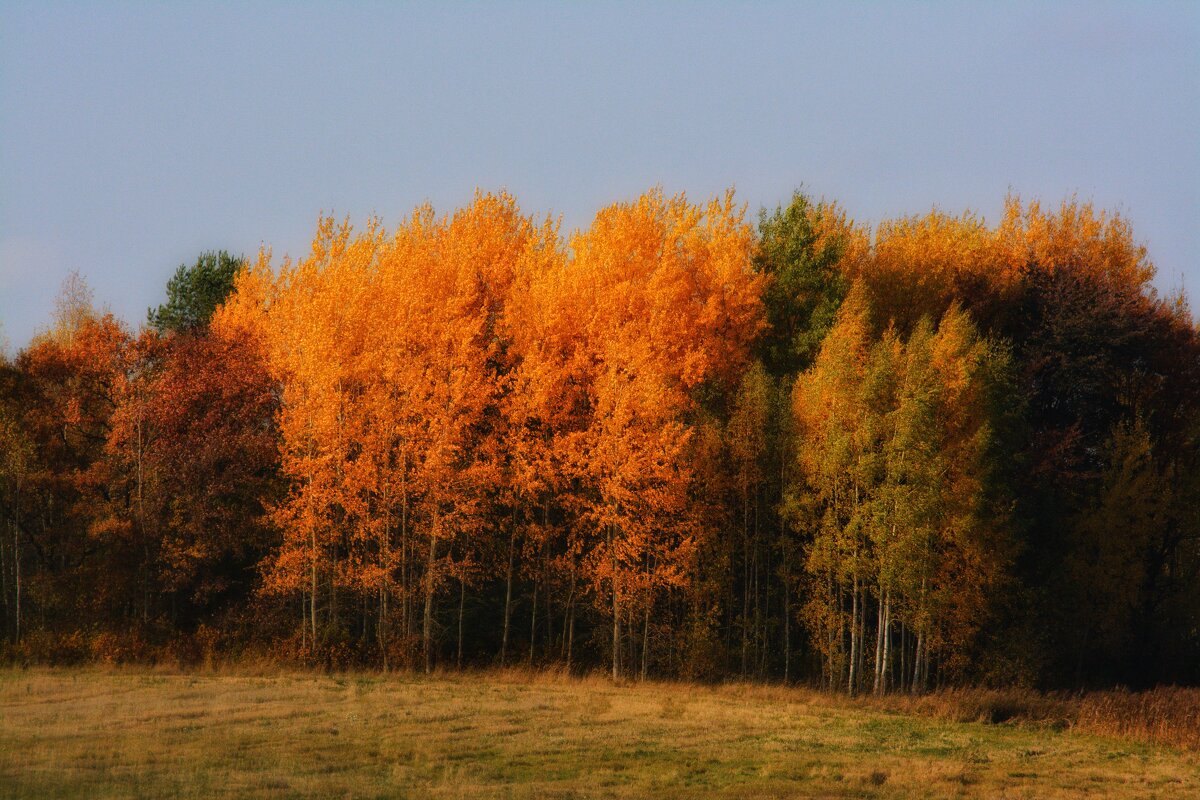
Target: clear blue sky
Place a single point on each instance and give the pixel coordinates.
(134, 136)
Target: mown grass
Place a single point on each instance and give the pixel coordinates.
(142, 733)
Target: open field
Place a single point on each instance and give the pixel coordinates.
(145, 733)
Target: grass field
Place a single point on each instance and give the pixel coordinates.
(142, 733)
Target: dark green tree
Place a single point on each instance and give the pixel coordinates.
(194, 292)
(799, 249)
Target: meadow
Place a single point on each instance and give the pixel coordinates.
(145, 732)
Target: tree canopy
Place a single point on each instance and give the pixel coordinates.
(933, 451)
(194, 292)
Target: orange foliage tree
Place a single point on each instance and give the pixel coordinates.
(669, 303)
(386, 350)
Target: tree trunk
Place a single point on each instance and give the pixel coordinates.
(405, 567)
(852, 683)
(839, 650)
(785, 569)
(17, 579)
(427, 633)
(333, 598)
(887, 641)
(631, 637)
(616, 631)
(545, 570)
(787, 633)
(917, 656)
(4, 593)
(562, 653)
(533, 618)
(462, 596)
(512, 540)
(760, 595)
(745, 583)
(862, 636)
(570, 635)
(312, 600)
(878, 645)
(381, 628)
(645, 640)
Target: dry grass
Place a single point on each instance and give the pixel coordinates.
(264, 733)
(1168, 715)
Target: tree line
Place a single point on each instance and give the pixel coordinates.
(675, 444)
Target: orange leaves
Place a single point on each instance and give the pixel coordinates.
(664, 301)
(919, 265)
(671, 286)
(385, 348)
(246, 306)
(472, 359)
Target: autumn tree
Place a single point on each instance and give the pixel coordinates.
(85, 558)
(894, 459)
(829, 496)
(193, 431)
(940, 451)
(386, 347)
(669, 303)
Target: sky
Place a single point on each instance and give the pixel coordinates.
(135, 136)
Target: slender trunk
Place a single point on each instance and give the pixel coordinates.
(917, 656)
(834, 643)
(312, 601)
(764, 641)
(645, 640)
(616, 631)
(141, 524)
(17, 579)
(887, 641)
(4, 593)
(512, 541)
(786, 567)
(631, 637)
(570, 619)
(878, 645)
(548, 649)
(533, 618)
(840, 650)
(546, 572)
(385, 567)
(562, 650)
(787, 633)
(926, 665)
(745, 582)
(570, 635)
(852, 683)
(405, 571)
(333, 598)
(381, 627)
(758, 593)
(462, 596)
(862, 635)
(406, 594)
(427, 633)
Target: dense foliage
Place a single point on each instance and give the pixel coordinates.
(930, 453)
